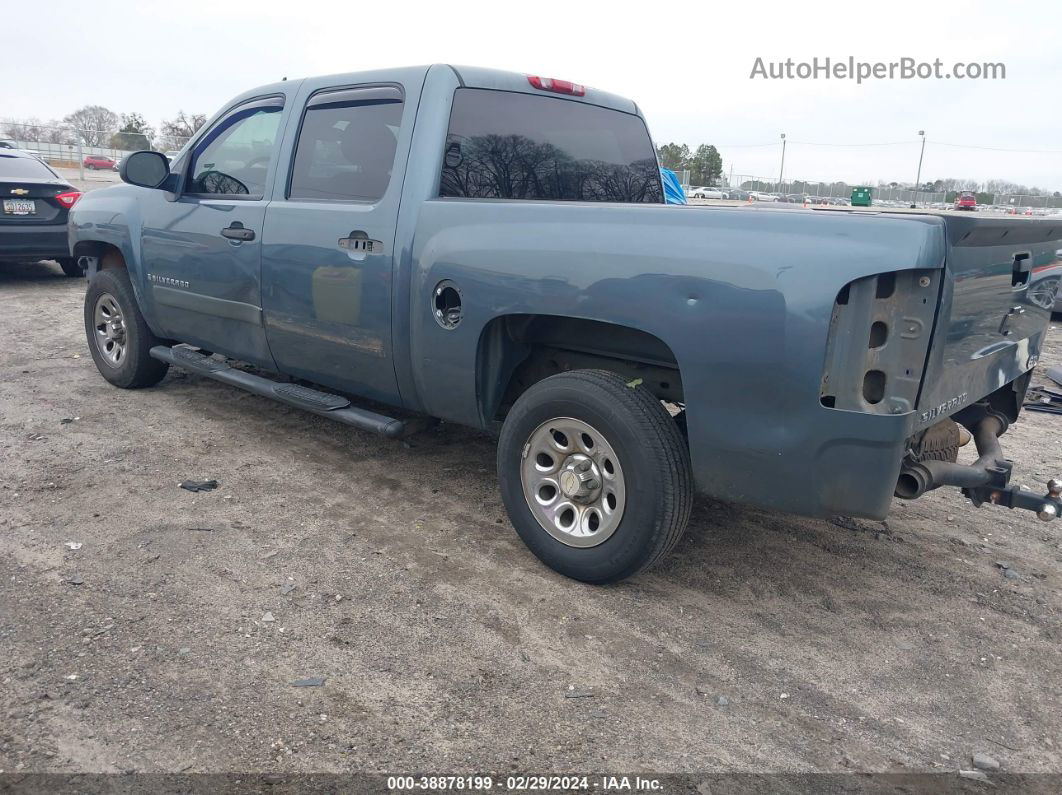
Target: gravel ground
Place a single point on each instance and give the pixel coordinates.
(169, 638)
(93, 179)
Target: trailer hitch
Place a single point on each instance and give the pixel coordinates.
(984, 481)
(1047, 507)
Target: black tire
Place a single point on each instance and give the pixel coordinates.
(135, 368)
(650, 450)
(70, 267)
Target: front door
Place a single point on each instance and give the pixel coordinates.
(328, 247)
(202, 253)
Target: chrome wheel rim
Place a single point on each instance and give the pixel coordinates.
(109, 328)
(1044, 293)
(573, 482)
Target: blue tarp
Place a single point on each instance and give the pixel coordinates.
(673, 193)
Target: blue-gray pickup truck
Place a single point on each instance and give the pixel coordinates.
(494, 250)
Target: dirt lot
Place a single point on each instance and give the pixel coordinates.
(169, 640)
(94, 178)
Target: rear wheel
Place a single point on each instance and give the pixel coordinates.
(70, 267)
(595, 475)
(118, 336)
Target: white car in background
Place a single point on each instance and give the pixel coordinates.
(707, 193)
(759, 196)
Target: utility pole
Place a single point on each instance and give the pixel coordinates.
(781, 168)
(80, 156)
(918, 179)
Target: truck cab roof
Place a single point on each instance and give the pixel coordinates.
(468, 77)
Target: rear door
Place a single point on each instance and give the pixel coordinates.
(329, 241)
(202, 252)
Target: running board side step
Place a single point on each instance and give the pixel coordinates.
(323, 404)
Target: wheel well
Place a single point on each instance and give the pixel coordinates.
(104, 254)
(516, 351)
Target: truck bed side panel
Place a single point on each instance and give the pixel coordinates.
(743, 298)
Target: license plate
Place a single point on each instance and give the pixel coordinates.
(20, 207)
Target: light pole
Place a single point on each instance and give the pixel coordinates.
(781, 168)
(918, 179)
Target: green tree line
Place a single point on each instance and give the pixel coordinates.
(705, 164)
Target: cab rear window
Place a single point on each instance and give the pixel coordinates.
(508, 145)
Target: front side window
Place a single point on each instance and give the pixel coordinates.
(507, 145)
(233, 157)
(347, 145)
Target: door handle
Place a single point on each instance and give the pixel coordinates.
(360, 243)
(236, 231)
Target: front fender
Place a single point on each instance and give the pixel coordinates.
(111, 217)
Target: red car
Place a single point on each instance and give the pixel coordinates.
(966, 201)
(98, 161)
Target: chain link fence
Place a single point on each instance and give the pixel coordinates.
(66, 146)
(833, 191)
(888, 195)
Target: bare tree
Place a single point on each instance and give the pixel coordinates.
(175, 132)
(58, 132)
(25, 130)
(94, 123)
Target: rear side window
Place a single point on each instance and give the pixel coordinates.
(347, 144)
(506, 145)
(232, 159)
(24, 168)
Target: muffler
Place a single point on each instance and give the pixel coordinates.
(918, 477)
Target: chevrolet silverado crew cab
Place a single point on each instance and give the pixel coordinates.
(494, 250)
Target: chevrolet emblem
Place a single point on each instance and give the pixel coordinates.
(19, 191)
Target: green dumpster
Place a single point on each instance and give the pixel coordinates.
(860, 197)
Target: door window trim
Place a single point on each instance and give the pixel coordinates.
(350, 95)
(218, 127)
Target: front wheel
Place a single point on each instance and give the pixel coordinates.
(118, 336)
(595, 475)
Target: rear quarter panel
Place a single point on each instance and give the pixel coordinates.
(742, 297)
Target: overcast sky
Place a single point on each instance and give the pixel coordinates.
(687, 65)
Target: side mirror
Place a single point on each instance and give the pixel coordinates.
(146, 169)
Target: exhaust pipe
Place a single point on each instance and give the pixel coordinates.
(917, 478)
